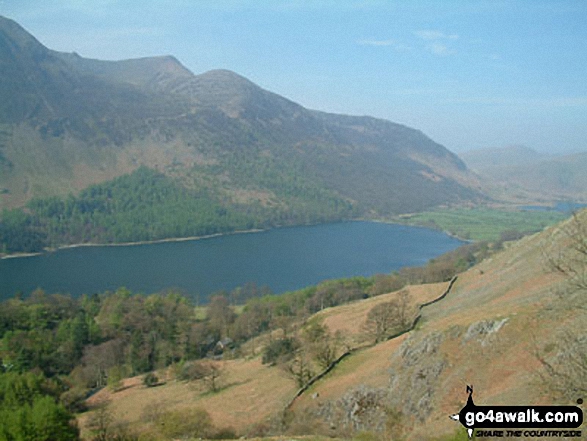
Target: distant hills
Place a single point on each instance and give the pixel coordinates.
(67, 123)
(521, 172)
(514, 155)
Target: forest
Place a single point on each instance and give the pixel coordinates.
(147, 205)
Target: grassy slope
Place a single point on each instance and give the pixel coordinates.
(250, 393)
(512, 285)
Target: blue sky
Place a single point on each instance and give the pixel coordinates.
(469, 74)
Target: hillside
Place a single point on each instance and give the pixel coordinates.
(67, 122)
(520, 173)
(486, 332)
(499, 322)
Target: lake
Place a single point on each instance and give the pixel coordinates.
(563, 207)
(284, 259)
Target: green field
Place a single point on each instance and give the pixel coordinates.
(484, 223)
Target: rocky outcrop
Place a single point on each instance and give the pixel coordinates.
(360, 409)
(415, 374)
(483, 331)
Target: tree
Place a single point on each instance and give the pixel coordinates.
(382, 318)
(28, 409)
(100, 422)
(323, 346)
(206, 371)
(220, 316)
(404, 306)
(98, 360)
(115, 376)
(565, 373)
(280, 350)
(299, 368)
(564, 361)
(150, 380)
(568, 256)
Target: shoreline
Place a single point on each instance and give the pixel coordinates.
(210, 236)
(405, 224)
(126, 244)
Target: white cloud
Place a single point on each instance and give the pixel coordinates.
(437, 41)
(440, 49)
(435, 35)
(383, 43)
(376, 42)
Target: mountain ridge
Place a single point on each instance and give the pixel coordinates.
(68, 122)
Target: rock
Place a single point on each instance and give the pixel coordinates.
(412, 353)
(361, 409)
(416, 376)
(483, 330)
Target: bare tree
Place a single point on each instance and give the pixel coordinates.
(322, 345)
(220, 315)
(326, 351)
(404, 307)
(98, 361)
(564, 373)
(381, 320)
(299, 368)
(564, 364)
(569, 256)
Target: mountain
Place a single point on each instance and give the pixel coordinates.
(67, 123)
(521, 172)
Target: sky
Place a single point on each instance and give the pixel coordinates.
(469, 74)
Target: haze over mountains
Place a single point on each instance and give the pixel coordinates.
(67, 122)
(521, 172)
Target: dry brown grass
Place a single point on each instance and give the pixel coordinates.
(368, 367)
(349, 319)
(250, 393)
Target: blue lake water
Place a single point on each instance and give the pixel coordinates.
(563, 207)
(284, 259)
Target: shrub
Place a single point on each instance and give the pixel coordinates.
(194, 423)
(225, 433)
(74, 399)
(206, 371)
(150, 380)
(279, 350)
